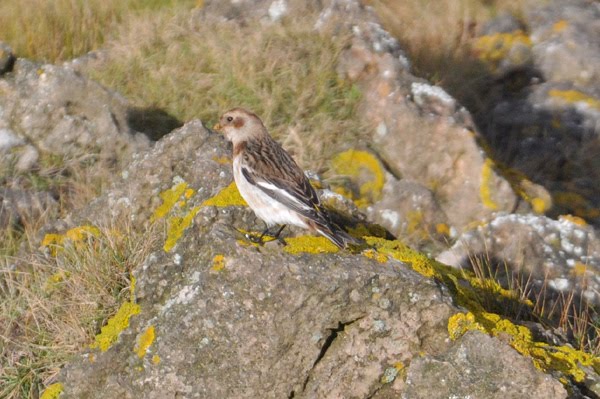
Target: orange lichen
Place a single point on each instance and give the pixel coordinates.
(485, 189)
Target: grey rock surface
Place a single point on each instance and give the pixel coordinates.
(421, 133)
(479, 367)
(234, 321)
(560, 255)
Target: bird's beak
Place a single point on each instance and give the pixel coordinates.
(217, 127)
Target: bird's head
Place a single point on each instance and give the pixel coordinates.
(239, 125)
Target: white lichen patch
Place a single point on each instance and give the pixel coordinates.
(423, 92)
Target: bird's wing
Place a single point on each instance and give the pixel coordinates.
(273, 170)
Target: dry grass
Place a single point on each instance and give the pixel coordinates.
(438, 37)
(52, 306)
(567, 313)
(197, 69)
(58, 30)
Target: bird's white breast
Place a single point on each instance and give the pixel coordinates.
(271, 211)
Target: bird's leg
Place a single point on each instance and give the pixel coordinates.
(259, 239)
(280, 239)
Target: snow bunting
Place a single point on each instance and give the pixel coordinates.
(271, 182)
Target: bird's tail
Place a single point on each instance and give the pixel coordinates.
(336, 234)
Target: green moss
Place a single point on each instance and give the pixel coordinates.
(364, 169)
(144, 342)
(309, 244)
(115, 325)
(52, 391)
(229, 196)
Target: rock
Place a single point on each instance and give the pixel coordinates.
(562, 256)
(7, 58)
(469, 369)
(409, 210)
(27, 159)
(9, 139)
(21, 207)
(541, 116)
(420, 132)
(215, 310)
(63, 113)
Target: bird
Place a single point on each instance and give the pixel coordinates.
(271, 182)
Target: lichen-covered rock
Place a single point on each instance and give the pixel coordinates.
(479, 367)
(541, 113)
(420, 131)
(216, 316)
(63, 113)
(409, 210)
(562, 256)
(24, 206)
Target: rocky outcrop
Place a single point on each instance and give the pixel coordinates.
(219, 317)
(420, 132)
(541, 113)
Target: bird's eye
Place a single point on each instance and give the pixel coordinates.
(230, 119)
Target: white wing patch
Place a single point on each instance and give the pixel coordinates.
(275, 189)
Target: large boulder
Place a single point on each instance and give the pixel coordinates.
(219, 317)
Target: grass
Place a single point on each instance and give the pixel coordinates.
(567, 313)
(438, 38)
(52, 304)
(59, 30)
(283, 72)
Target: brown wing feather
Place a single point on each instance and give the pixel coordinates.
(268, 161)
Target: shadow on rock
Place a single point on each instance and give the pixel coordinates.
(151, 121)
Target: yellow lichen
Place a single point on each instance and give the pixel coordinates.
(539, 205)
(229, 196)
(155, 359)
(496, 47)
(580, 269)
(221, 160)
(560, 26)
(144, 342)
(372, 254)
(115, 325)
(176, 226)
(419, 262)
(52, 391)
(545, 357)
(82, 232)
(574, 96)
(363, 167)
(443, 229)
(573, 219)
(77, 234)
(218, 263)
(485, 191)
(170, 198)
(309, 244)
(415, 224)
